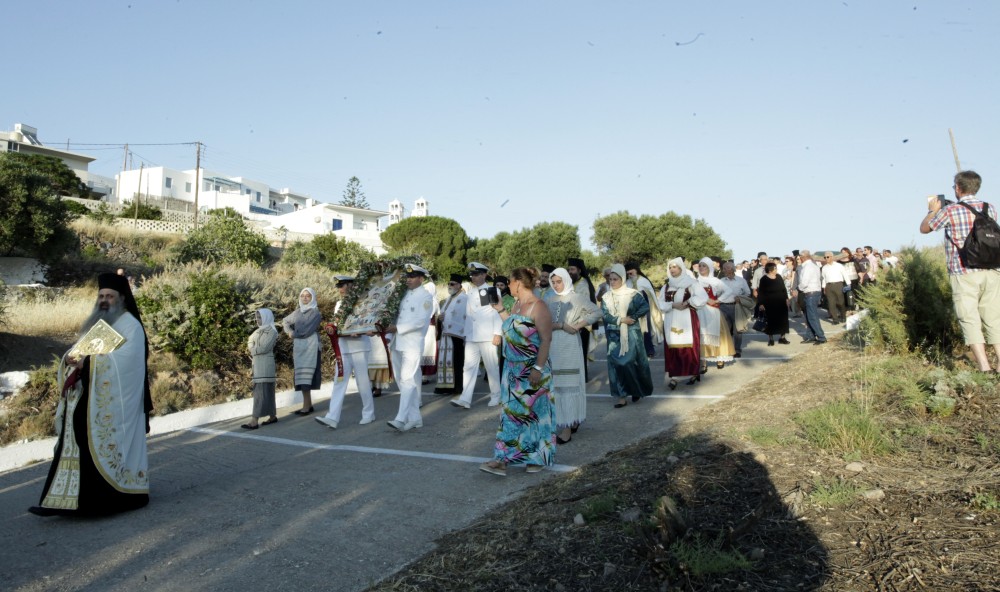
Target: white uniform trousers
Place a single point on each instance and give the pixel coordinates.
(406, 368)
(358, 363)
(487, 352)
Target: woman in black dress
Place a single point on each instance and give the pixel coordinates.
(772, 299)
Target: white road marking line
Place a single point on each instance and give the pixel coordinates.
(609, 395)
(364, 449)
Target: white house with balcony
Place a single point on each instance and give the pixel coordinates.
(24, 139)
(274, 211)
(176, 189)
(353, 224)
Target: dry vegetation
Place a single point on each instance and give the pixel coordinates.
(746, 495)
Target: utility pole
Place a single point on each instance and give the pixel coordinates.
(118, 181)
(197, 181)
(954, 150)
(137, 196)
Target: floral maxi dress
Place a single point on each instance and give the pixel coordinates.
(527, 433)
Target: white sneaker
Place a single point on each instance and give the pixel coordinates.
(493, 403)
(411, 425)
(366, 421)
(460, 403)
(327, 422)
(395, 423)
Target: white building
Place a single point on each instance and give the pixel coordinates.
(397, 211)
(353, 224)
(24, 139)
(270, 209)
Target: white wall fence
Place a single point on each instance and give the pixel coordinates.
(175, 222)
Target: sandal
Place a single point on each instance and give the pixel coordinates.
(247, 426)
(672, 384)
(494, 467)
(269, 421)
(559, 440)
(303, 411)
(621, 404)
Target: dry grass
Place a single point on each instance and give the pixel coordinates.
(55, 318)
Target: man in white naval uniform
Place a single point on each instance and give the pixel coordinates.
(482, 336)
(407, 346)
(354, 358)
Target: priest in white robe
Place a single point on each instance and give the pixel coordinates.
(100, 463)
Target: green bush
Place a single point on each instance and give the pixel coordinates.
(75, 209)
(204, 323)
(167, 305)
(224, 238)
(910, 308)
(102, 214)
(329, 251)
(130, 210)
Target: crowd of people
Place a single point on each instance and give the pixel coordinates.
(533, 332)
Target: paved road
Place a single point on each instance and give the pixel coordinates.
(297, 506)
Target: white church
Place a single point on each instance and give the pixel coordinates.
(397, 211)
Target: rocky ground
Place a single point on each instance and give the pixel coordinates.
(921, 518)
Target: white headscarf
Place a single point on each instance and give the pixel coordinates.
(312, 302)
(265, 318)
(707, 261)
(564, 276)
(681, 281)
(617, 302)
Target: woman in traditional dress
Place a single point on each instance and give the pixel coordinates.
(716, 340)
(301, 326)
(628, 366)
(570, 313)
(679, 300)
(772, 300)
(528, 421)
(261, 346)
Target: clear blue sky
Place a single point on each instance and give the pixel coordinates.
(784, 124)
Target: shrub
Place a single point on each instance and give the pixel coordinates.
(910, 308)
(75, 209)
(329, 251)
(167, 305)
(141, 211)
(101, 214)
(224, 238)
(203, 322)
(33, 220)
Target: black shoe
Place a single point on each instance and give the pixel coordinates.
(693, 380)
(672, 384)
(635, 398)
(304, 411)
(809, 340)
(573, 429)
(561, 441)
(783, 341)
(770, 342)
(738, 355)
(247, 426)
(376, 392)
(818, 342)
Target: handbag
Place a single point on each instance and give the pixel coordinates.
(760, 324)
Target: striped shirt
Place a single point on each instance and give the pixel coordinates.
(957, 223)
